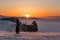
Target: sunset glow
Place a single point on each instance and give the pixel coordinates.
(35, 8)
(27, 15)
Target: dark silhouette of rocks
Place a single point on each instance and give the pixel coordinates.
(35, 25)
(17, 25)
(29, 28)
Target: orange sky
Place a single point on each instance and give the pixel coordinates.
(35, 8)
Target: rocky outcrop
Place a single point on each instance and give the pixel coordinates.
(29, 28)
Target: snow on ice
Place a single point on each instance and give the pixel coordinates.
(47, 31)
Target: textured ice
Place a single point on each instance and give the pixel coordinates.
(4, 35)
(43, 26)
(47, 31)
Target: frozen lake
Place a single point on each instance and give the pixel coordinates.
(43, 26)
(29, 36)
(47, 31)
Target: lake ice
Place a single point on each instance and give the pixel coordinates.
(43, 26)
(47, 31)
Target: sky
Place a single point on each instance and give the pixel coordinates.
(35, 8)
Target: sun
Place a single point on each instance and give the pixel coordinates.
(27, 15)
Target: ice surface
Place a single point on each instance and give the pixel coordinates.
(47, 31)
(4, 35)
(43, 26)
